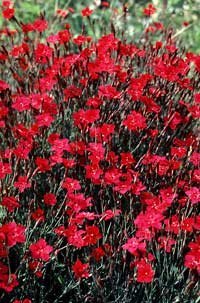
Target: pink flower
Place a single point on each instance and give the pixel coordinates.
(194, 195)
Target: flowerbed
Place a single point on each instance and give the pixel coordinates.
(99, 167)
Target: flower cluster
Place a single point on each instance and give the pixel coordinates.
(99, 160)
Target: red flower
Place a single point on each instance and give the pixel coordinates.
(150, 218)
(3, 85)
(195, 158)
(64, 36)
(8, 13)
(40, 25)
(36, 267)
(13, 233)
(72, 92)
(80, 269)
(78, 202)
(94, 102)
(41, 250)
(108, 91)
(134, 246)
(5, 169)
(135, 121)
(21, 103)
(102, 133)
(145, 273)
(109, 214)
(10, 203)
(194, 195)
(84, 117)
(92, 235)
(8, 282)
(98, 253)
(166, 243)
(93, 172)
(22, 183)
(172, 224)
(6, 3)
(42, 164)
(167, 195)
(75, 237)
(80, 217)
(149, 10)
(81, 39)
(71, 185)
(43, 53)
(44, 120)
(187, 224)
(86, 12)
(38, 215)
(192, 258)
(50, 199)
(178, 152)
(62, 13)
(22, 301)
(123, 183)
(105, 4)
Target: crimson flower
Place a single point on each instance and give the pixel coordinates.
(8, 13)
(5, 169)
(134, 246)
(8, 282)
(64, 36)
(78, 202)
(102, 133)
(86, 12)
(40, 25)
(135, 121)
(194, 195)
(36, 266)
(145, 273)
(21, 103)
(26, 300)
(192, 258)
(42, 164)
(80, 270)
(92, 235)
(84, 117)
(41, 250)
(22, 183)
(50, 199)
(149, 10)
(3, 85)
(71, 184)
(44, 119)
(72, 92)
(166, 243)
(13, 233)
(38, 215)
(42, 53)
(98, 253)
(10, 203)
(75, 237)
(109, 214)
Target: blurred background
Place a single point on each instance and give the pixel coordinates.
(182, 15)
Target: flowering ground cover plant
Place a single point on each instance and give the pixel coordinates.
(99, 166)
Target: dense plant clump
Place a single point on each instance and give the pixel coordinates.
(98, 167)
